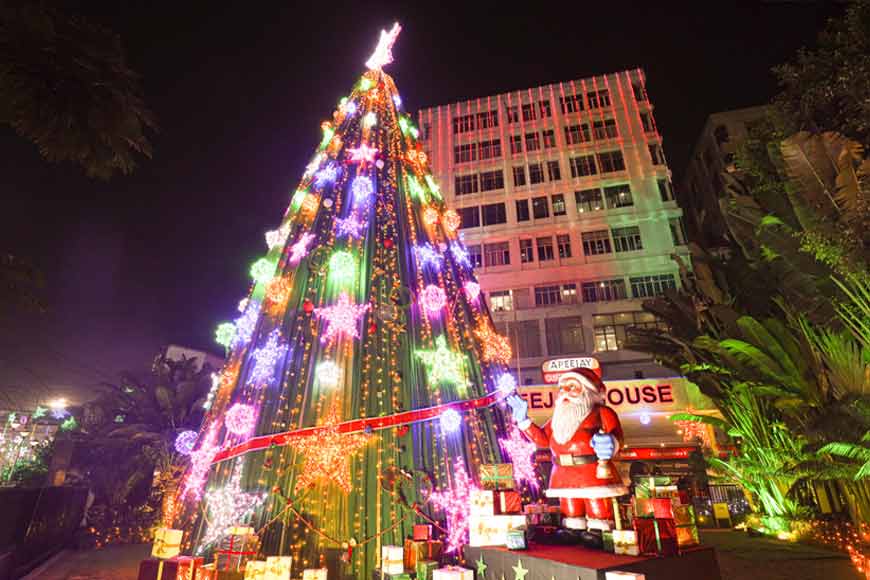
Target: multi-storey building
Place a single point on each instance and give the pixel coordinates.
(702, 185)
(568, 212)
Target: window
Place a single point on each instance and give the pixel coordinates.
(513, 114)
(475, 256)
(611, 161)
(494, 214)
(527, 254)
(583, 165)
(519, 176)
(575, 134)
(678, 231)
(533, 141)
(588, 200)
(465, 153)
(649, 286)
(501, 300)
(529, 113)
(554, 172)
(558, 204)
(487, 120)
(618, 196)
(665, 189)
(604, 290)
(626, 239)
(565, 335)
(605, 129)
(639, 92)
(571, 103)
(463, 124)
(548, 295)
(549, 138)
(597, 242)
(516, 144)
(536, 173)
(545, 249)
(563, 242)
(490, 149)
(498, 254)
(527, 334)
(647, 122)
(658, 156)
(466, 184)
(540, 208)
(609, 330)
(522, 210)
(470, 217)
(598, 99)
(545, 109)
(490, 180)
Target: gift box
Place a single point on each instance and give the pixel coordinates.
(492, 530)
(377, 575)
(422, 532)
(392, 559)
(278, 568)
(256, 570)
(656, 487)
(209, 572)
(625, 542)
(607, 541)
(497, 476)
(453, 573)
(235, 550)
(417, 550)
(508, 502)
(660, 508)
(684, 515)
(481, 502)
(656, 537)
(425, 568)
(616, 575)
(175, 568)
(167, 543)
(534, 508)
(687, 536)
(516, 540)
(314, 574)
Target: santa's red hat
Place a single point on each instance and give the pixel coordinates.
(586, 377)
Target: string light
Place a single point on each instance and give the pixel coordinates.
(520, 450)
(225, 333)
(277, 237)
(298, 197)
(370, 120)
(262, 270)
(228, 506)
(243, 303)
(427, 256)
(415, 188)
(456, 505)
(278, 290)
(215, 384)
(433, 186)
(240, 418)
(442, 364)
(342, 318)
(185, 442)
(342, 267)
(350, 226)
(327, 454)
(433, 299)
(265, 359)
(300, 249)
(472, 290)
(430, 216)
(496, 348)
(328, 374)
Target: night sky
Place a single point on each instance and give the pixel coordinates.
(240, 89)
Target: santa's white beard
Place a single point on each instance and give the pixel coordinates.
(567, 416)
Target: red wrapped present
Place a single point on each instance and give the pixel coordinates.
(659, 508)
(418, 551)
(422, 532)
(508, 502)
(177, 568)
(684, 515)
(656, 537)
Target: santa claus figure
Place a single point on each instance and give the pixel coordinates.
(583, 436)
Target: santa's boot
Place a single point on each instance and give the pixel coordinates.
(573, 513)
(599, 514)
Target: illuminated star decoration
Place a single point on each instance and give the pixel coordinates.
(455, 502)
(277, 237)
(246, 323)
(326, 175)
(428, 256)
(442, 364)
(39, 412)
(383, 53)
(349, 226)
(200, 463)
(520, 450)
(362, 154)
(228, 506)
(327, 454)
(266, 357)
(460, 254)
(300, 249)
(59, 413)
(342, 318)
(472, 290)
(496, 348)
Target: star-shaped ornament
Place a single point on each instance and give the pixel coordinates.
(481, 567)
(300, 249)
(362, 154)
(442, 364)
(342, 317)
(519, 571)
(228, 506)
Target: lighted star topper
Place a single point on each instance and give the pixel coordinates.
(442, 364)
(327, 454)
(455, 502)
(300, 249)
(342, 318)
(383, 53)
(362, 154)
(350, 226)
(228, 506)
(521, 450)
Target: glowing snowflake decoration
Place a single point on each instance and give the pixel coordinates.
(427, 256)
(300, 249)
(228, 506)
(342, 267)
(450, 421)
(185, 441)
(240, 419)
(433, 299)
(362, 190)
(275, 238)
(362, 154)
(200, 463)
(350, 226)
(342, 318)
(460, 254)
(442, 364)
(225, 334)
(262, 270)
(328, 374)
(314, 165)
(521, 452)
(327, 175)
(246, 323)
(266, 357)
(506, 383)
(472, 290)
(455, 502)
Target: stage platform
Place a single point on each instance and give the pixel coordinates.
(546, 562)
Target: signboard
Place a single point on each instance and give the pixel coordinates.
(556, 367)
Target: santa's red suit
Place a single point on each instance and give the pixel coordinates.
(585, 498)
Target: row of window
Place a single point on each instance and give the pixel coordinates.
(540, 109)
(477, 151)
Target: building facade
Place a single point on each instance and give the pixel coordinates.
(568, 212)
(702, 186)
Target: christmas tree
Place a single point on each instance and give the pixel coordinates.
(359, 393)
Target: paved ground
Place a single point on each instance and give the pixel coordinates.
(740, 558)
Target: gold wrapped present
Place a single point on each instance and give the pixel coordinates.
(625, 542)
(278, 567)
(255, 570)
(419, 550)
(492, 530)
(167, 543)
(392, 559)
(482, 502)
(497, 476)
(314, 574)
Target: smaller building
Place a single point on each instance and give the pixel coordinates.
(702, 184)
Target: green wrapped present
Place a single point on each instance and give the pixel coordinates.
(607, 538)
(425, 568)
(497, 476)
(684, 515)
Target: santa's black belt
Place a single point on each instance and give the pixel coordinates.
(568, 460)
